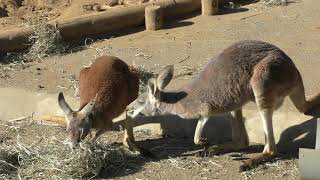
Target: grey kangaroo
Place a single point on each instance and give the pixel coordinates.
(246, 71)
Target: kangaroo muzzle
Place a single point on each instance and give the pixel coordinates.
(132, 112)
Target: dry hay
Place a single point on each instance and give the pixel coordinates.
(8, 7)
(48, 156)
(187, 73)
(278, 167)
(274, 2)
(45, 40)
(8, 162)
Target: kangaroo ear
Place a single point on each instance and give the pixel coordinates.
(88, 108)
(64, 105)
(152, 86)
(165, 77)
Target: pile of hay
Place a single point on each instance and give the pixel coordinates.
(8, 162)
(274, 2)
(46, 40)
(50, 157)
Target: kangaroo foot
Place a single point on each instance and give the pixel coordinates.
(253, 162)
(219, 149)
(203, 142)
(133, 146)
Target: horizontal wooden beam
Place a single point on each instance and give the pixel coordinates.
(98, 23)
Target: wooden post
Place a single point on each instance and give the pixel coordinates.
(153, 17)
(209, 7)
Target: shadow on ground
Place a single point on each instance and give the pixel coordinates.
(232, 10)
(163, 148)
(170, 146)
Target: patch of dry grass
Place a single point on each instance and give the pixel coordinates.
(8, 162)
(46, 40)
(48, 156)
(285, 169)
(274, 2)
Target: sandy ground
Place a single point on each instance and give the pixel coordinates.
(18, 13)
(176, 158)
(188, 43)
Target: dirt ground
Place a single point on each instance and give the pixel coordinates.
(187, 43)
(175, 157)
(17, 13)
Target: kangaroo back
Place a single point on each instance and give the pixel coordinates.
(226, 81)
(111, 79)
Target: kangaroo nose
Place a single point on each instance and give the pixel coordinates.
(129, 111)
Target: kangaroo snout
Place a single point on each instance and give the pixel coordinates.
(74, 139)
(133, 111)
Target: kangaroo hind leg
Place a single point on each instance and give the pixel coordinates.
(239, 137)
(300, 101)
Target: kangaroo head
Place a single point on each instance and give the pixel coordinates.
(148, 103)
(78, 122)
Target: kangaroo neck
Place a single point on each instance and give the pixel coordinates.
(171, 102)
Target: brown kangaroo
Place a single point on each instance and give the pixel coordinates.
(246, 71)
(106, 88)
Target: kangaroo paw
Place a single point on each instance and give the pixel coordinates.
(253, 162)
(219, 149)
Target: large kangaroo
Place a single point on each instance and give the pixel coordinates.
(106, 88)
(246, 71)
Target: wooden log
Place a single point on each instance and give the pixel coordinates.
(59, 120)
(98, 23)
(209, 7)
(15, 39)
(153, 18)
(118, 19)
